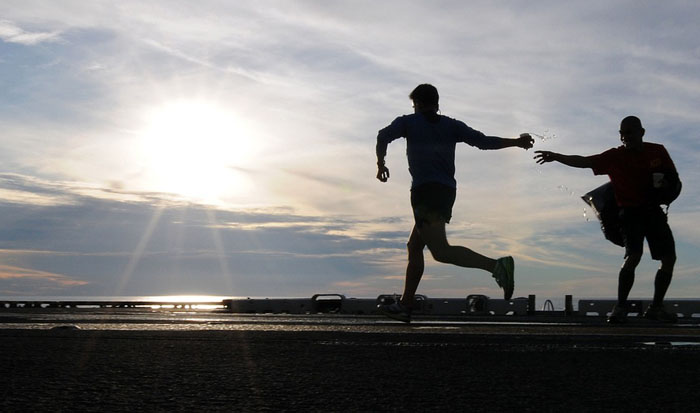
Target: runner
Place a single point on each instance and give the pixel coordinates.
(431, 139)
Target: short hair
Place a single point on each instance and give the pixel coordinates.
(426, 94)
(632, 121)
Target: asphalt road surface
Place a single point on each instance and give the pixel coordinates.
(199, 362)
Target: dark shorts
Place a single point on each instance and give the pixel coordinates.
(432, 202)
(650, 223)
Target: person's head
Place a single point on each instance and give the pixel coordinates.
(631, 132)
(425, 98)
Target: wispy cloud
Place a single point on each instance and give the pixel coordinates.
(12, 33)
(13, 273)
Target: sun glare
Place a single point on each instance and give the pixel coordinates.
(196, 150)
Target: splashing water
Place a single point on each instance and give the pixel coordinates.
(570, 192)
(544, 136)
(566, 189)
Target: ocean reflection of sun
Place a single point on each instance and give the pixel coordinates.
(195, 149)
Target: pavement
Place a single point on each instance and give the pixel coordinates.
(209, 360)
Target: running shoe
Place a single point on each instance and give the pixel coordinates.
(503, 273)
(659, 313)
(396, 311)
(618, 315)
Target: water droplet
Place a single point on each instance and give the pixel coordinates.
(544, 136)
(566, 189)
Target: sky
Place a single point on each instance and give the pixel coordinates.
(227, 148)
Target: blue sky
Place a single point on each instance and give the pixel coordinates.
(227, 148)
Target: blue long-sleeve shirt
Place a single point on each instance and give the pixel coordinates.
(430, 146)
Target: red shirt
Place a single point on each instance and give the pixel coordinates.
(631, 171)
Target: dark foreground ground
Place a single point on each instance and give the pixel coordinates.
(417, 368)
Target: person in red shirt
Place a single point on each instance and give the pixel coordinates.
(635, 169)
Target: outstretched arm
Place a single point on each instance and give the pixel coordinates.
(575, 161)
(524, 141)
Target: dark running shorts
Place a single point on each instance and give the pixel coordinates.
(431, 202)
(650, 223)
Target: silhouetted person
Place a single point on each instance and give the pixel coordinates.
(631, 168)
(430, 146)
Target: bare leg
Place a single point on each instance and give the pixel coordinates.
(663, 278)
(415, 267)
(626, 278)
(435, 238)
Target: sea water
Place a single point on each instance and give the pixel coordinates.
(201, 302)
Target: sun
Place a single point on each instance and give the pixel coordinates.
(196, 150)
